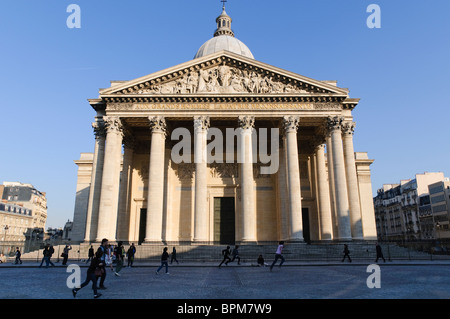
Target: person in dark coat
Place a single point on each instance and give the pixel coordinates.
(235, 255)
(174, 256)
(90, 254)
(18, 254)
(96, 263)
(130, 255)
(226, 256)
(379, 253)
(164, 259)
(346, 253)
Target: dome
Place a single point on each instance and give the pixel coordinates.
(224, 39)
(224, 42)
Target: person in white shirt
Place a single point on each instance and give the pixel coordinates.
(278, 255)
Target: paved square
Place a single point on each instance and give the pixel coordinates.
(315, 281)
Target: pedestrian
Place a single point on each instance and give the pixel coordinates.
(119, 253)
(236, 255)
(96, 265)
(103, 251)
(226, 256)
(174, 256)
(278, 255)
(65, 254)
(18, 254)
(379, 252)
(130, 254)
(90, 254)
(51, 251)
(109, 257)
(46, 253)
(260, 261)
(2, 258)
(164, 258)
(346, 253)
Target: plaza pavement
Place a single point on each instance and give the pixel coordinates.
(204, 280)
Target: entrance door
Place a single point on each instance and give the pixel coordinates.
(224, 225)
(142, 225)
(305, 220)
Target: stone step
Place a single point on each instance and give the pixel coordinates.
(297, 251)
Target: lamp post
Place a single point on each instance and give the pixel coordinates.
(6, 227)
(438, 227)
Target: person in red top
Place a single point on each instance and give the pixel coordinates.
(278, 255)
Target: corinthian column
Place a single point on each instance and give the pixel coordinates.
(153, 232)
(248, 213)
(96, 179)
(109, 197)
(201, 125)
(340, 181)
(352, 180)
(290, 124)
(326, 228)
(123, 221)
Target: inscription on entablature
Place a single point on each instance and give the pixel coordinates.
(222, 106)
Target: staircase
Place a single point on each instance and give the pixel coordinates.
(326, 252)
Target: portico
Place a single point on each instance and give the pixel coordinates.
(142, 193)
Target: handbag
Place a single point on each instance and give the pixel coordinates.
(98, 271)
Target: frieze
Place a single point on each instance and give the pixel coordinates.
(223, 106)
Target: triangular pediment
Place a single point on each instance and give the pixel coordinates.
(223, 73)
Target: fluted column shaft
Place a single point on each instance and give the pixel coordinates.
(109, 197)
(155, 201)
(352, 181)
(201, 125)
(248, 213)
(340, 181)
(293, 176)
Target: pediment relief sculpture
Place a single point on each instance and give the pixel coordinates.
(221, 79)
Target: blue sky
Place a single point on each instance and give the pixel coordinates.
(401, 72)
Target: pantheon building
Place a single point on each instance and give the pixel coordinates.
(223, 149)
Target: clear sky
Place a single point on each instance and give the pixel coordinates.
(400, 71)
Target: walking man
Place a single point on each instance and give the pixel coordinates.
(65, 254)
(278, 255)
(130, 254)
(346, 253)
(119, 252)
(46, 256)
(164, 261)
(90, 254)
(18, 254)
(379, 253)
(174, 256)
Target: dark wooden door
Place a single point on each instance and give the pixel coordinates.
(224, 221)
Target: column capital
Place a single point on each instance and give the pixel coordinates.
(348, 128)
(246, 122)
(334, 123)
(99, 128)
(113, 124)
(201, 123)
(157, 124)
(291, 123)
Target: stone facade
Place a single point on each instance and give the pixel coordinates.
(148, 195)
